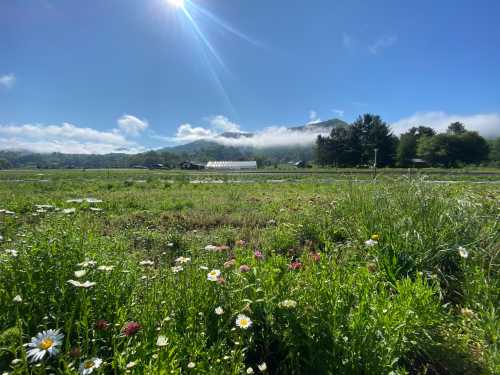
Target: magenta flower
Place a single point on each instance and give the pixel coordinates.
(295, 265)
(131, 328)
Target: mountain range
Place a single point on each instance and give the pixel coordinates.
(273, 140)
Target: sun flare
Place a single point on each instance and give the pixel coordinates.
(176, 3)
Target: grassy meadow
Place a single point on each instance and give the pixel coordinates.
(151, 272)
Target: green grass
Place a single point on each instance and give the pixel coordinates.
(407, 305)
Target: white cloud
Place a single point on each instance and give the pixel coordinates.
(132, 125)
(339, 112)
(8, 81)
(276, 136)
(66, 147)
(66, 138)
(487, 124)
(313, 117)
(188, 133)
(382, 43)
(224, 124)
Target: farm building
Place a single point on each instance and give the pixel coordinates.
(232, 165)
(192, 165)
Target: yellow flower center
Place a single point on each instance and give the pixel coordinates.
(244, 322)
(88, 364)
(375, 237)
(46, 344)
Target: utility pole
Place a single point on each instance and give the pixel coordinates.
(375, 164)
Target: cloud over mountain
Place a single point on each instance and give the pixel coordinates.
(228, 133)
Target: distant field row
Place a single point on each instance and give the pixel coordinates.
(261, 175)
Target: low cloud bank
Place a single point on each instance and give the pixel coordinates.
(486, 124)
(71, 139)
(276, 136)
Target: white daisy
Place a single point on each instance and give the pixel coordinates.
(88, 366)
(93, 200)
(288, 304)
(249, 370)
(211, 248)
(462, 251)
(371, 242)
(69, 210)
(162, 341)
(79, 274)
(87, 284)
(12, 252)
(95, 209)
(191, 365)
(87, 263)
(130, 365)
(243, 321)
(105, 268)
(45, 342)
(177, 269)
(219, 310)
(204, 268)
(262, 367)
(147, 263)
(213, 275)
(182, 260)
(17, 299)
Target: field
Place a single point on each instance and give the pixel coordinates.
(153, 272)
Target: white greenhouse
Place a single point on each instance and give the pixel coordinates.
(232, 165)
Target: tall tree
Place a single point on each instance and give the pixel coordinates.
(373, 133)
(407, 146)
(456, 128)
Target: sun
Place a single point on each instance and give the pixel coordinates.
(176, 3)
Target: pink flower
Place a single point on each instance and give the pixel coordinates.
(295, 265)
(244, 268)
(131, 328)
(258, 255)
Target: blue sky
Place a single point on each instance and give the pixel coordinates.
(108, 75)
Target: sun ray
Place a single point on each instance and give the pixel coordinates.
(225, 25)
(203, 37)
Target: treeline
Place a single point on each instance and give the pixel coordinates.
(151, 159)
(10, 160)
(357, 145)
